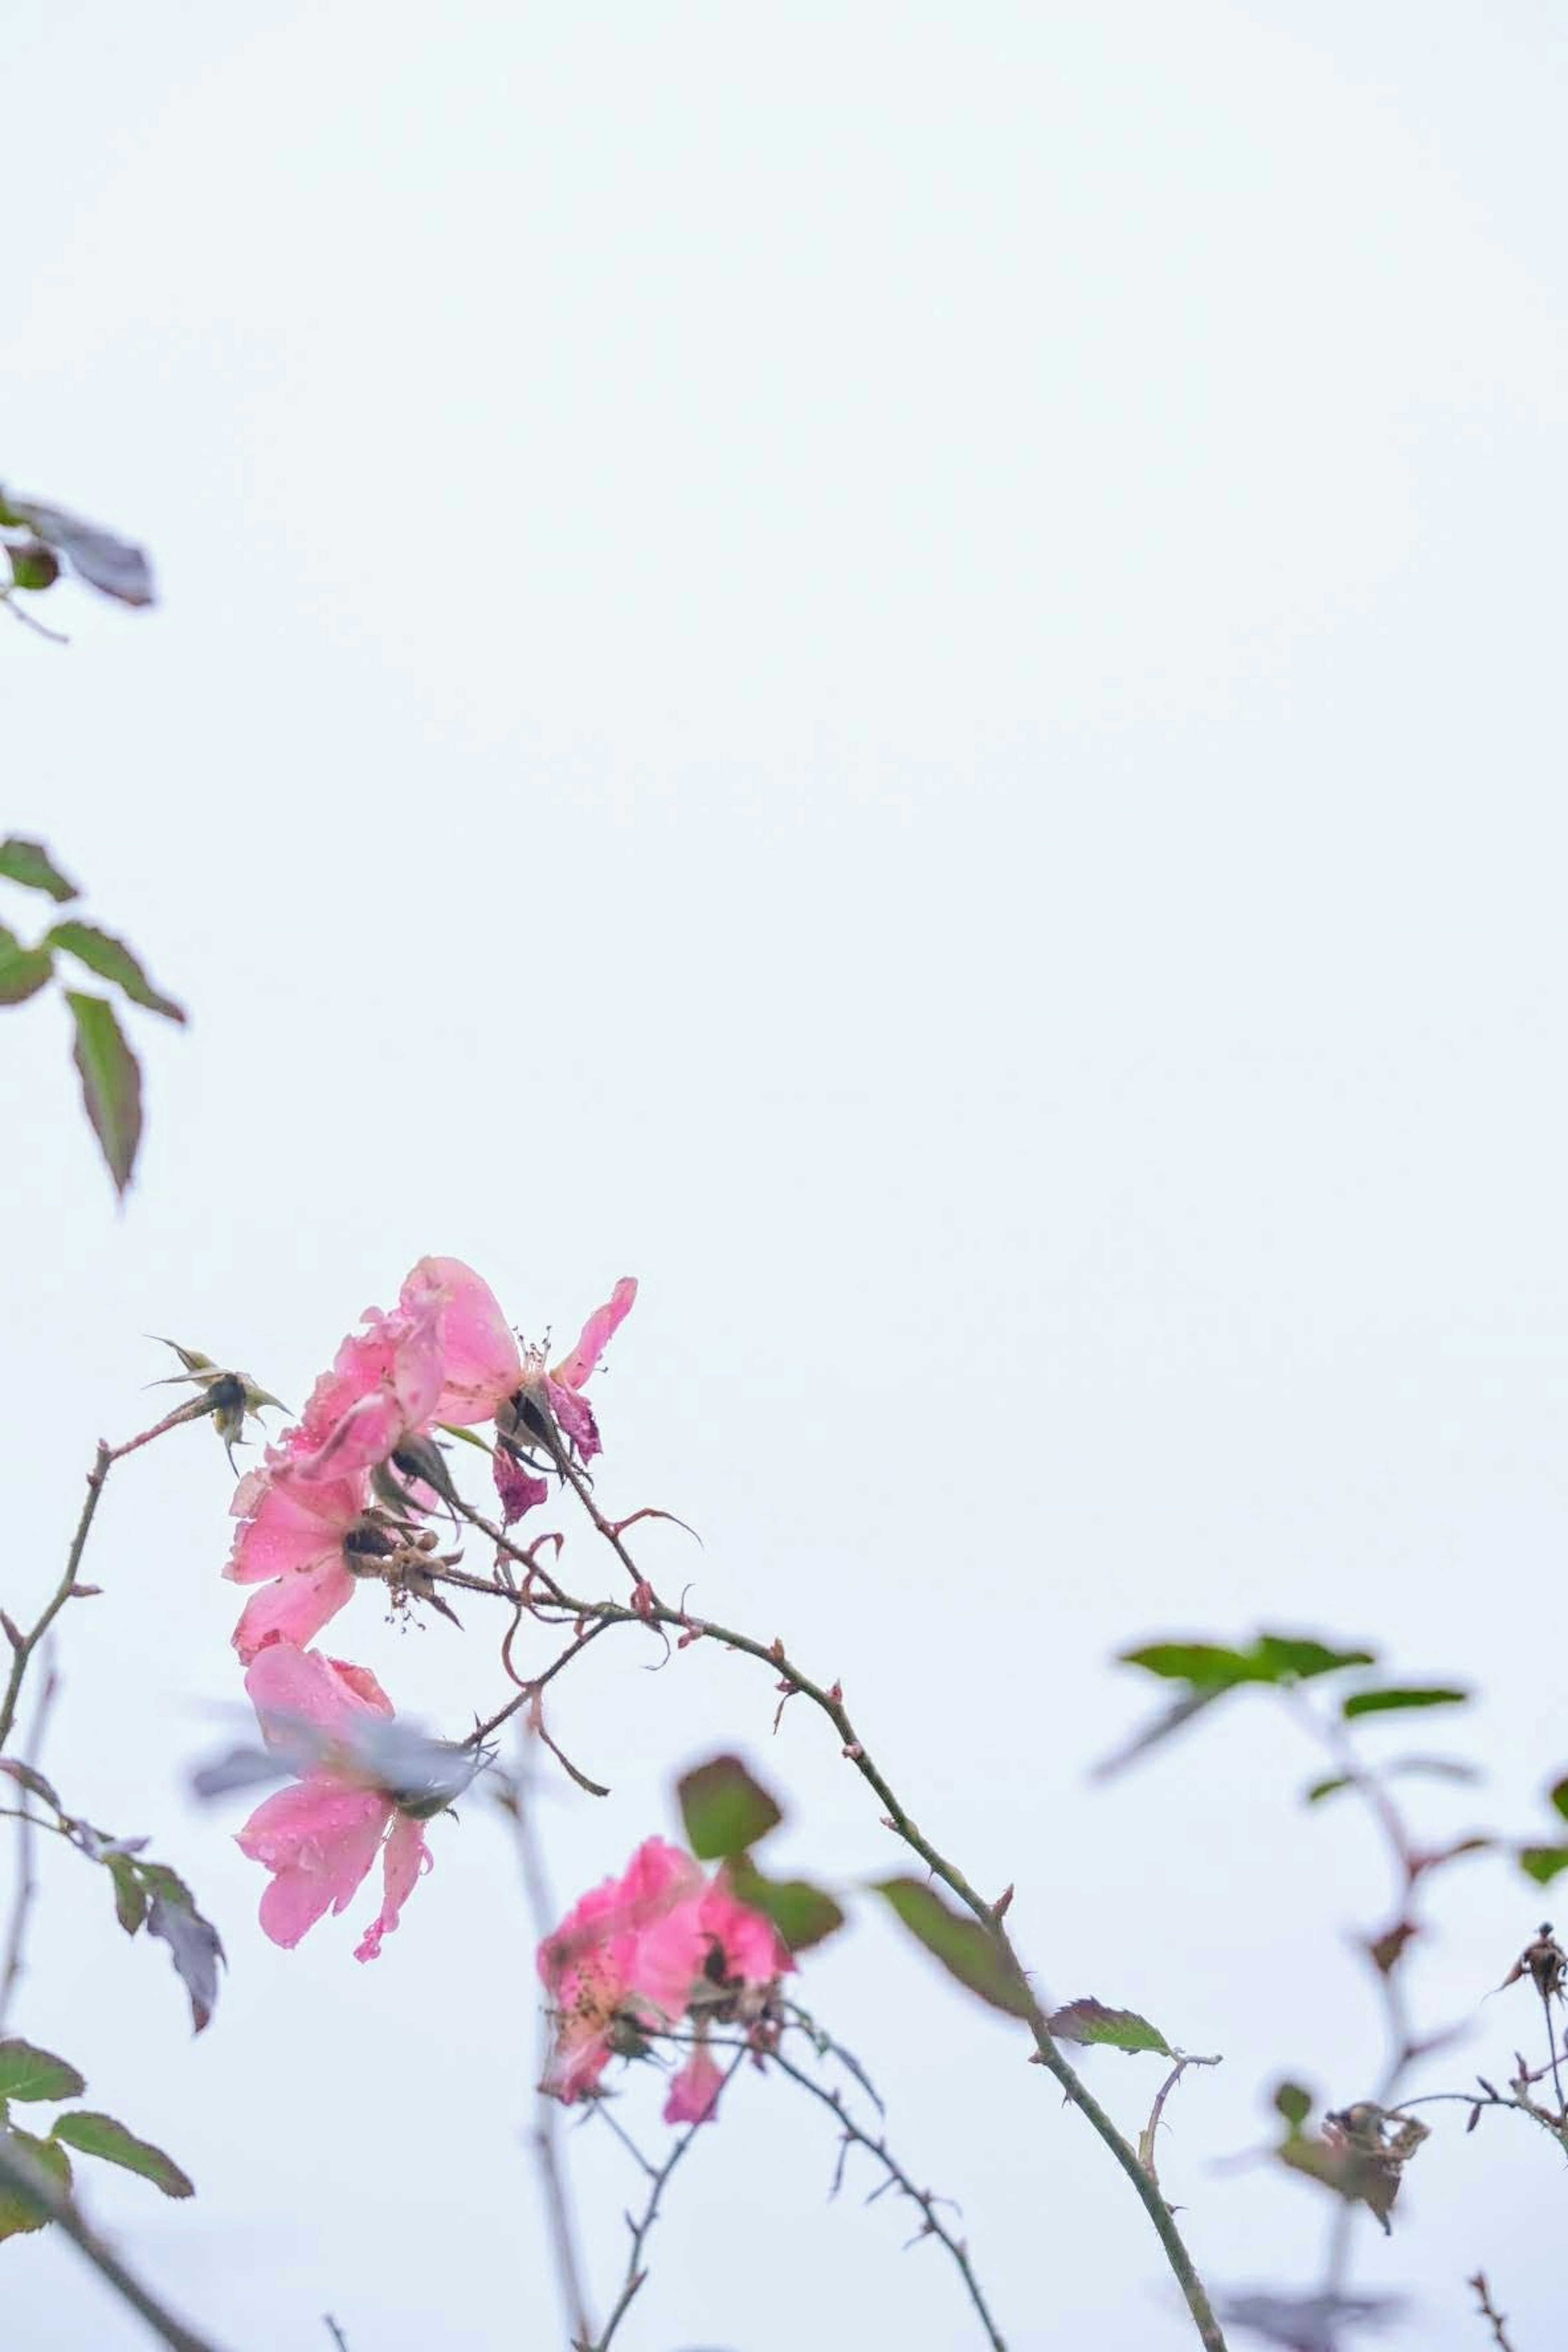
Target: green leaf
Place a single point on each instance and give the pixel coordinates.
(1543, 1863)
(1385, 1702)
(111, 1083)
(1408, 1767)
(112, 961)
(1272, 1658)
(1294, 2103)
(963, 1945)
(803, 1914)
(100, 2136)
(130, 1895)
(22, 970)
(18, 2211)
(193, 1943)
(724, 1810)
(29, 2073)
(1560, 1798)
(1090, 2022)
(29, 863)
(1182, 1711)
(28, 1777)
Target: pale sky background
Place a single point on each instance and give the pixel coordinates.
(900, 669)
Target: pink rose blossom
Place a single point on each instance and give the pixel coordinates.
(320, 1838)
(630, 1950)
(644, 1951)
(385, 1384)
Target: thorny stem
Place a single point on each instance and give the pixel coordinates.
(27, 2180)
(1489, 2312)
(1146, 2149)
(659, 2176)
(648, 1610)
(932, 2226)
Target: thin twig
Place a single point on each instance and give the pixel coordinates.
(933, 2225)
(546, 2136)
(1151, 2130)
(24, 1647)
(335, 2331)
(27, 1882)
(1488, 2311)
(20, 2174)
(635, 2273)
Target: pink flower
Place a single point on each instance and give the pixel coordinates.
(628, 1953)
(694, 2091)
(641, 1952)
(291, 1531)
(385, 1384)
(320, 1838)
(481, 1363)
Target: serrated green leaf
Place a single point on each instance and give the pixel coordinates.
(112, 961)
(1091, 2023)
(29, 863)
(27, 2073)
(111, 1083)
(130, 1895)
(18, 2211)
(1543, 1863)
(963, 1945)
(22, 970)
(725, 1810)
(1387, 1702)
(100, 2136)
(803, 1914)
(1294, 2103)
(1271, 1658)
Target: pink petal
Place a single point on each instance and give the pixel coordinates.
(657, 1878)
(752, 1951)
(480, 1362)
(518, 1491)
(385, 1382)
(404, 1859)
(319, 1840)
(294, 1609)
(301, 1687)
(597, 1334)
(667, 1960)
(694, 2091)
(288, 1526)
(574, 1415)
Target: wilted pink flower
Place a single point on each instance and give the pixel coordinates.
(564, 1382)
(645, 1950)
(629, 1951)
(694, 2090)
(320, 1838)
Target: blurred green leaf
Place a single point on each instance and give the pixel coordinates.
(1543, 1863)
(1293, 2102)
(725, 1810)
(130, 1895)
(34, 566)
(803, 1914)
(28, 1777)
(1408, 1767)
(27, 2073)
(1386, 1702)
(29, 863)
(17, 2211)
(22, 970)
(100, 2136)
(112, 961)
(1272, 1658)
(1560, 1798)
(962, 1944)
(1090, 2022)
(111, 1083)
